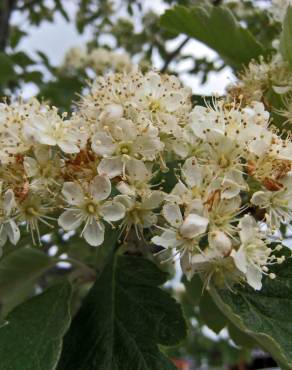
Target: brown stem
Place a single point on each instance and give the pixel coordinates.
(6, 8)
(172, 55)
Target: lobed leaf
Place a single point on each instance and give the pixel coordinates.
(123, 319)
(265, 315)
(216, 27)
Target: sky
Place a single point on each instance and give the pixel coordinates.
(56, 38)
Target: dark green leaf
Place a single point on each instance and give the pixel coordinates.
(217, 28)
(211, 314)
(240, 337)
(62, 92)
(33, 76)
(265, 315)
(21, 59)
(286, 37)
(19, 270)
(194, 289)
(6, 68)
(15, 36)
(122, 320)
(31, 338)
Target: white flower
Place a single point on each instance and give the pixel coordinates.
(123, 144)
(89, 207)
(278, 204)
(183, 234)
(140, 210)
(50, 129)
(253, 254)
(163, 101)
(43, 169)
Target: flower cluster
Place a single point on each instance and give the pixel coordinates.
(107, 164)
(99, 60)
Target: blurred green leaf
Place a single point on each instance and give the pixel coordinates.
(61, 92)
(286, 37)
(22, 59)
(19, 271)
(216, 27)
(16, 35)
(6, 68)
(31, 337)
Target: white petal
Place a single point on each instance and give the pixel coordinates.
(30, 166)
(103, 144)
(249, 229)
(94, 233)
(137, 170)
(172, 214)
(254, 277)
(69, 147)
(153, 84)
(113, 112)
(154, 200)
(192, 172)
(3, 235)
(73, 193)
(193, 225)
(110, 167)
(113, 211)
(13, 232)
(220, 242)
(124, 130)
(100, 188)
(167, 239)
(261, 198)
(125, 200)
(9, 201)
(172, 101)
(70, 220)
(125, 188)
(240, 259)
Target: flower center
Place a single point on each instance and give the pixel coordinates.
(125, 148)
(91, 208)
(154, 106)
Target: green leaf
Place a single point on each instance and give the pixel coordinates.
(31, 338)
(265, 315)
(16, 35)
(286, 37)
(61, 92)
(6, 68)
(194, 288)
(211, 314)
(216, 27)
(21, 59)
(19, 270)
(122, 320)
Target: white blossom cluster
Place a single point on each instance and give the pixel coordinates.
(107, 164)
(99, 60)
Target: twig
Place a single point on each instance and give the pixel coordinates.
(6, 8)
(172, 55)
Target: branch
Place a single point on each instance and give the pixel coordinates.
(6, 8)
(172, 55)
